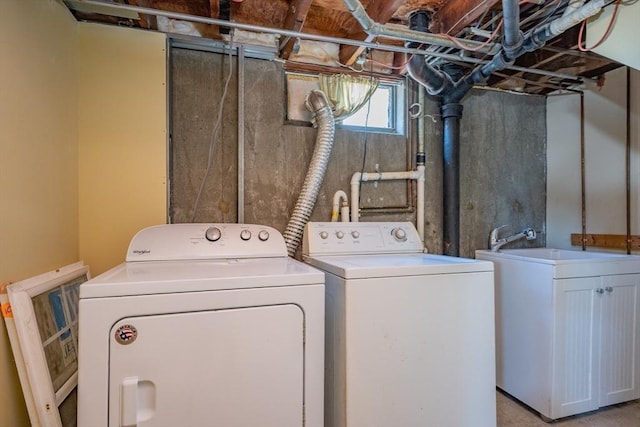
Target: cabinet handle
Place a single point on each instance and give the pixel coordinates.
(608, 289)
(600, 291)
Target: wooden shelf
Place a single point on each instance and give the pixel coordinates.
(613, 241)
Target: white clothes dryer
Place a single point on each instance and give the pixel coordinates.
(203, 325)
(409, 336)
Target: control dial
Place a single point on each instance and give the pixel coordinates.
(213, 234)
(263, 235)
(399, 234)
(324, 235)
(339, 234)
(355, 234)
(245, 234)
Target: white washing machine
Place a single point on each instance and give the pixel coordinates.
(409, 336)
(203, 325)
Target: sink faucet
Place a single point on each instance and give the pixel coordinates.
(495, 243)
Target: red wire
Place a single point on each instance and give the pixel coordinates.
(455, 42)
(604, 36)
(462, 46)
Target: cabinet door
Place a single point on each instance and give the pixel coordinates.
(620, 339)
(576, 346)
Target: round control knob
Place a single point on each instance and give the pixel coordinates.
(263, 235)
(324, 234)
(213, 234)
(399, 234)
(355, 234)
(339, 234)
(245, 234)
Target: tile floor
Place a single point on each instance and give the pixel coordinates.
(512, 413)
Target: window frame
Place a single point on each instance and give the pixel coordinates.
(397, 104)
(397, 109)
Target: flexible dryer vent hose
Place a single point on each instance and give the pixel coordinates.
(318, 104)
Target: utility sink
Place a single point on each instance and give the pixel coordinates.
(567, 263)
(567, 328)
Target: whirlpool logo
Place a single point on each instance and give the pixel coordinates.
(141, 251)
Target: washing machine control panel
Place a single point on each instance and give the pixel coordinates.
(206, 241)
(345, 238)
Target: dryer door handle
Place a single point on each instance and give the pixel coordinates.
(137, 401)
(129, 402)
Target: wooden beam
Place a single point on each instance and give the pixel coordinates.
(454, 15)
(296, 15)
(380, 11)
(214, 12)
(349, 54)
(146, 21)
(214, 8)
(612, 241)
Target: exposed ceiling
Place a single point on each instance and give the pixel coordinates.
(558, 64)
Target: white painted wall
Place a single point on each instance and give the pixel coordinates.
(605, 181)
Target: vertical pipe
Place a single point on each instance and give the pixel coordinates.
(241, 134)
(628, 160)
(512, 36)
(420, 161)
(451, 114)
(420, 203)
(582, 176)
(355, 196)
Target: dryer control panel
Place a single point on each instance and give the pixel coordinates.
(206, 241)
(351, 238)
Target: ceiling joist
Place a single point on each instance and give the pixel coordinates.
(296, 15)
(454, 15)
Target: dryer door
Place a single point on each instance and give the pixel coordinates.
(233, 368)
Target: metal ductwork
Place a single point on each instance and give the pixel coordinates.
(318, 104)
(380, 30)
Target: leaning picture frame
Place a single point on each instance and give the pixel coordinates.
(41, 316)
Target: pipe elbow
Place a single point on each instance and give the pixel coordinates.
(433, 80)
(511, 51)
(316, 101)
(339, 196)
(356, 178)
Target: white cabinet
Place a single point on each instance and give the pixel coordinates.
(596, 343)
(567, 328)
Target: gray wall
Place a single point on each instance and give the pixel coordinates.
(502, 156)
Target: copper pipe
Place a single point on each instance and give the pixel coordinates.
(582, 174)
(628, 160)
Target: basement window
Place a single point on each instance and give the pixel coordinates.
(384, 113)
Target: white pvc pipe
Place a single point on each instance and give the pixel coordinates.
(565, 22)
(344, 212)
(417, 175)
(572, 7)
(420, 203)
(338, 197)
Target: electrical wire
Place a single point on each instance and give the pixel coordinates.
(366, 139)
(479, 5)
(493, 35)
(549, 15)
(214, 134)
(477, 48)
(604, 36)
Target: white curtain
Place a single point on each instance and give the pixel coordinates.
(347, 94)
